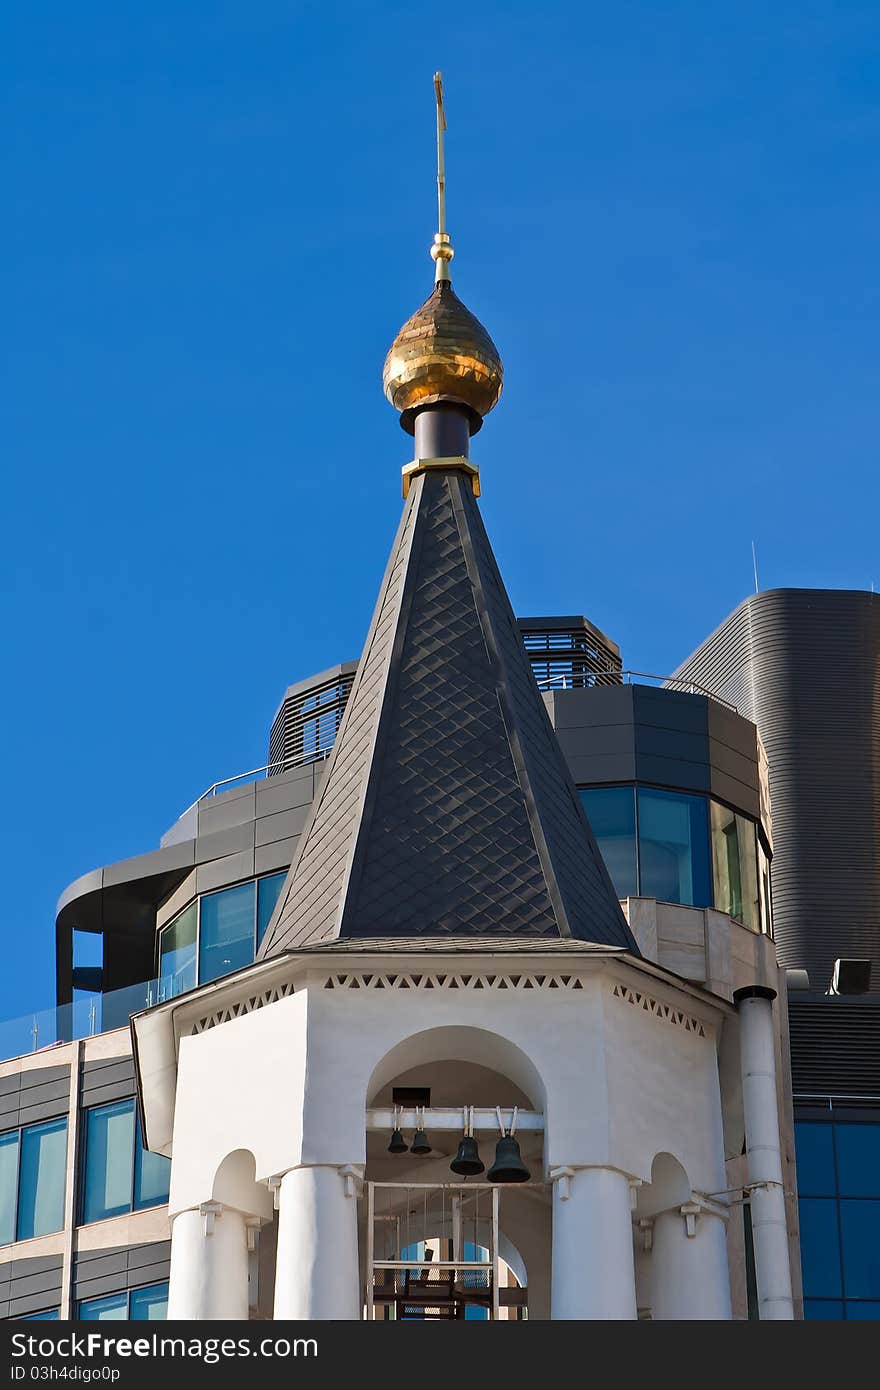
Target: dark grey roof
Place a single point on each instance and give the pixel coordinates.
(447, 809)
(475, 945)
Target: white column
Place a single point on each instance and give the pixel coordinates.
(316, 1266)
(769, 1226)
(690, 1279)
(593, 1274)
(209, 1265)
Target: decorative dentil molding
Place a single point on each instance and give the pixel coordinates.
(667, 1013)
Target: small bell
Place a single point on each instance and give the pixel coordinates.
(467, 1162)
(508, 1165)
(420, 1145)
(398, 1144)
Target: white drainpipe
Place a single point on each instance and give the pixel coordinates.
(757, 1041)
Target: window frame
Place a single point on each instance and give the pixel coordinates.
(197, 900)
(19, 1130)
(835, 1119)
(764, 889)
(137, 1146)
(126, 1294)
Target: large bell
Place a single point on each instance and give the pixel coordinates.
(508, 1165)
(420, 1145)
(398, 1144)
(467, 1162)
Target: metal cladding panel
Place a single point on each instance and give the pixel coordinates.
(101, 1272)
(804, 664)
(30, 1286)
(447, 807)
(835, 1046)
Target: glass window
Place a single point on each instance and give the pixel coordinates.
(766, 906)
(226, 931)
(267, 896)
(120, 1176)
(861, 1311)
(149, 1305)
(112, 1308)
(109, 1159)
(611, 812)
(177, 953)
(42, 1178)
(50, 1315)
(860, 1232)
(822, 1309)
(152, 1174)
(673, 847)
(8, 1186)
(858, 1159)
(735, 866)
(820, 1250)
(814, 1146)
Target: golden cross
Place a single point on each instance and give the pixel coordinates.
(441, 162)
(441, 251)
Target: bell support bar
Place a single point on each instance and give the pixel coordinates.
(450, 1118)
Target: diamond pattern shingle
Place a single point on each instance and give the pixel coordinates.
(447, 810)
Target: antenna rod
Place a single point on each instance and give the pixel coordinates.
(755, 566)
(441, 251)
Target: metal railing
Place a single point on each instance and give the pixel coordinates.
(281, 764)
(586, 680)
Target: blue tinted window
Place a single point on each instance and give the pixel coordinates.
(8, 1186)
(177, 953)
(820, 1249)
(821, 1309)
(860, 1230)
(611, 812)
(152, 1174)
(861, 1312)
(109, 1158)
(51, 1315)
(858, 1159)
(226, 931)
(42, 1179)
(149, 1305)
(673, 847)
(267, 896)
(814, 1144)
(120, 1175)
(113, 1308)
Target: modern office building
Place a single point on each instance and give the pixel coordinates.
(804, 664)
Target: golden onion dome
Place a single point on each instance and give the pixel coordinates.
(443, 353)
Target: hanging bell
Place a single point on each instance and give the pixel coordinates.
(467, 1162)
(508, 1165)
(420, 1145)
(398, 1144)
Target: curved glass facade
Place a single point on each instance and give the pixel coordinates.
(216, 934)
(681, 848)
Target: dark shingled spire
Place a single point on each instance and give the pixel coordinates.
(447, 809)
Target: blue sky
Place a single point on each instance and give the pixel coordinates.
(217, 216)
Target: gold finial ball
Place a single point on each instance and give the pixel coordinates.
(443, 353)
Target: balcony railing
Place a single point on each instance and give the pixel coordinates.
(586, 680)
(86, 1016)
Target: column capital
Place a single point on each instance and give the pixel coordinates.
(209, 1212)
